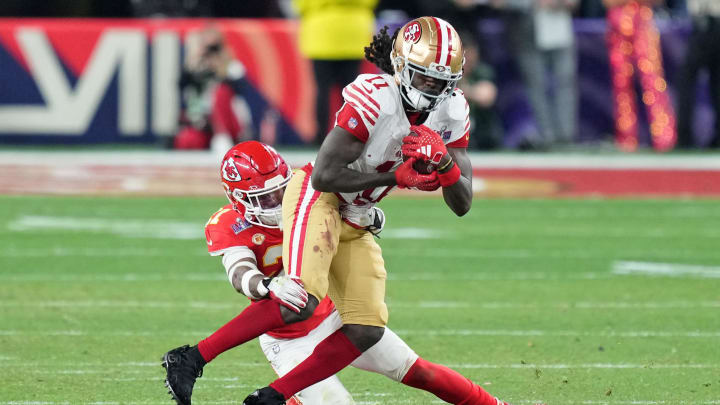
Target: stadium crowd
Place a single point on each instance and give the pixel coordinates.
(541, 38)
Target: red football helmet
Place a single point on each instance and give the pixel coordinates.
(255, 175)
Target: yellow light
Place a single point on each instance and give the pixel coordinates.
(648, 98)
(660, 84)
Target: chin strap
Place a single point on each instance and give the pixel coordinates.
(420, 98)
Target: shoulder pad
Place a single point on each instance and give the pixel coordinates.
(226, 221)
(372, 93)
(456, 105)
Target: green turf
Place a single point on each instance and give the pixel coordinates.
(519, 296)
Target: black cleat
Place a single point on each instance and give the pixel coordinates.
(183, 366)
(265, 396)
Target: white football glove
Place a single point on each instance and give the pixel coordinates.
(371, 219)
(287, 291)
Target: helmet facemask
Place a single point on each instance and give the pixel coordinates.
(263, 207)
(414, 87)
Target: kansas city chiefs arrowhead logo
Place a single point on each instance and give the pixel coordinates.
(230, 171)
(412, 32)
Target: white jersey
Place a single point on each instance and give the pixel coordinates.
(380, 121)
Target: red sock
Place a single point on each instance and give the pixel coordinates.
(446, 384)
(258, 318)
(330, 356)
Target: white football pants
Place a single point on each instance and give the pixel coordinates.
(391, 357)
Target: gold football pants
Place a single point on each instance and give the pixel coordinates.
(331, 257)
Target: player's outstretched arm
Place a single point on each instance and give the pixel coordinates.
(458, 195)
(331, 174)
(241, 267)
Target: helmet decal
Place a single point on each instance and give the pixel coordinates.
(230, 171)
(412, 32)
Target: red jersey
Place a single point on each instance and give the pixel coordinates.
(228, 229)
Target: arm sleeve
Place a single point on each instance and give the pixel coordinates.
(236, 257)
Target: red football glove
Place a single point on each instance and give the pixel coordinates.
(406, 177)
(427, 146)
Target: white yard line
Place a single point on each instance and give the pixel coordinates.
(123, 402)
(460, 253)
(118, 277)
(380, 402)
(45, 368)
(639, 402)
(298, 158)
(508, 254)
(553, 305)
(209, 275)
(92, 304)
(415, 233)
(441, 275)
(506, 333)
(584, 366)
(398, 305)
(665, 269)
(60, 251)
(131, 228)
(103, 304)
(402, 332)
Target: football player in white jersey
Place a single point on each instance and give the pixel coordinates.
(368, 153)
(327, 207)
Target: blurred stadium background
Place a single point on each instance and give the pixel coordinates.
(586, 273)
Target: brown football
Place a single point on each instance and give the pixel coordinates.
(423, 167)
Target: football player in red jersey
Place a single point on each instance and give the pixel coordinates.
(247, 235)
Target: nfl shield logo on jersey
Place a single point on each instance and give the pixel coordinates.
(352, 122)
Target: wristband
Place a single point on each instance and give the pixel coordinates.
(262, 287)
(450, 177)
(439, 169)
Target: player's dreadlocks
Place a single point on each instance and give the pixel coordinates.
(379, 50)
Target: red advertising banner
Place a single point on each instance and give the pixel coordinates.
(99, 80)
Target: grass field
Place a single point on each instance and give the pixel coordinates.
(560, 301)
